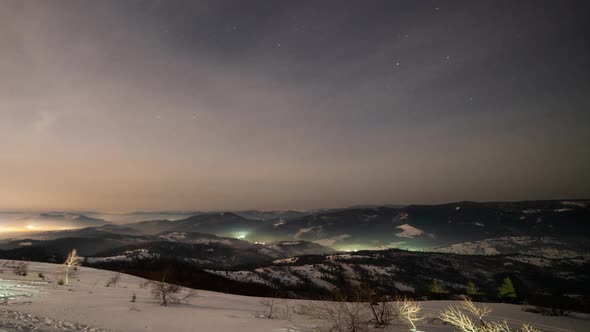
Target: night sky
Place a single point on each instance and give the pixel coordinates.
(152, 105)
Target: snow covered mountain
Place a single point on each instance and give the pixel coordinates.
(424, 227)
(540, 246)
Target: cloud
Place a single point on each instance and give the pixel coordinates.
(305, 231)
(331, 241)
(409, 231)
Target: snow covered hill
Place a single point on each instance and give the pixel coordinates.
(88, 305)
(397, 271)
(540, 246)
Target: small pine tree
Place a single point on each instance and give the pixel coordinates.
(437, 290)
(472, 290)
(506, 291)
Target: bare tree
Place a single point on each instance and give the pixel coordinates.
(21, 268)
(72, 261)
(478, 311)
(503, 326)
(458, 317)
(340, 314)
(409, 311)
(113, 280)
(383, 311)
(271, 304)
(167, 293)
(527, 328)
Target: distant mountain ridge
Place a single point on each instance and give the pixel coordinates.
(539, 244)
(201, 249)
(414, 227)
(428, 226)
(28, 222)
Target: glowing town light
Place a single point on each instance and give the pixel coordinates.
(241, 235)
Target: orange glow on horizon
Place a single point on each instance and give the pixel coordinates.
(30, 229)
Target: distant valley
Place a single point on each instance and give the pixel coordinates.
(539, 244)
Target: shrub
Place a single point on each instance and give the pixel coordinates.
(21, 269)
(383, 311)
(272, 311)
(409, 310)
(113, 280)
(341, 314)
(459, 318)
(547, 311)
(167, 293)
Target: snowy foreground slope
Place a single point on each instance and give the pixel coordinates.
(88, 305)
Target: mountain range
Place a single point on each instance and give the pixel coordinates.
(539, 244)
